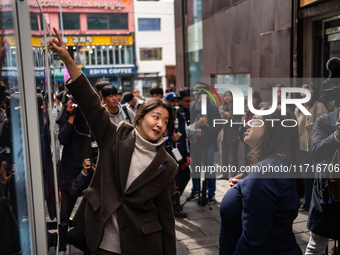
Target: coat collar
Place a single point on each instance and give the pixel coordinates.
(126, 147)
(156, 167)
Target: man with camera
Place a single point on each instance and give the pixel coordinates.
(176, 144)
(75, 135)
(323, 220)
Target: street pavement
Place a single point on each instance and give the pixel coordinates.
(198, 234)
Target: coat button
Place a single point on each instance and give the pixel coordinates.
(123, 228)
(119, 199)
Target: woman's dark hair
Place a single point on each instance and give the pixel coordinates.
(258, 97)
(278, 139)
(225, 106)
(151, 104)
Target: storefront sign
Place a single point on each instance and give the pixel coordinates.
(113, 71)
(83, 40)
(9, 74)
(12, 72)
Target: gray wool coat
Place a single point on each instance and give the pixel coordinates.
(145, 212)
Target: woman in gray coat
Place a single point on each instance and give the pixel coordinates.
(127, 208)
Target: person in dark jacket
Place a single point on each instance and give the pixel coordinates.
(76, 236)
(257, 213)
(323, 220)
(178, 139)
(74, 134)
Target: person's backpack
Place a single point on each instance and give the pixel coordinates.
(126, 112)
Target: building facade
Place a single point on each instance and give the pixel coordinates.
(155, 44)
(242, 40)
(99, 36)
(233, 40)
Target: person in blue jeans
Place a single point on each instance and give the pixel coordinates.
(203, 144)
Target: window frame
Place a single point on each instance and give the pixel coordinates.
(142, 59)
(71, 14)
(149, 30)
(108, 21)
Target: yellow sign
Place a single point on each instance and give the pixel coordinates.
(83, 40)
(306, 2)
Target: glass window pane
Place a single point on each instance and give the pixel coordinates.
(118, 21)
(34, 21)
(99, 56)
(104, 49)
(128, 55)
(117, 55)
(97, 21)
(122, 53)
(149, 24)
(93, 57)
(150, 53)
(111, 52)
(71, 21)
(15, 219)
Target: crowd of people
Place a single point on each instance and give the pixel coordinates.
(132, 157)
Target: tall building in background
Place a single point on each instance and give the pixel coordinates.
(155, 44)
(98, 35)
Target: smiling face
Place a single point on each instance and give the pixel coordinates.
(254, 132)
(154, 124)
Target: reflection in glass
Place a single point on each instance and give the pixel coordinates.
(13, 189)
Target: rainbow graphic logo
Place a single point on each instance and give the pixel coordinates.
(208, 92)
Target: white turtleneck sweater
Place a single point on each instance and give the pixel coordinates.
(143, 154)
